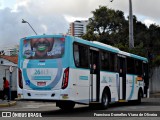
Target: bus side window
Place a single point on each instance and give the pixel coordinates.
(76, 55)
(81, 56)
(105, 61)
(130, 66)
(113, 62)
(138, 65)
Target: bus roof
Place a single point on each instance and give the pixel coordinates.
(109, 48)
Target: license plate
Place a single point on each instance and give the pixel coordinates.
(41, 83)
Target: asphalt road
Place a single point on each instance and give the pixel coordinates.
(148, 108)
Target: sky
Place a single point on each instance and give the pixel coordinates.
(54, 16)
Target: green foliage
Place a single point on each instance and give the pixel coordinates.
(156, 61)
(110, 27)
(139, 50)
(123, 47)
(104, 25)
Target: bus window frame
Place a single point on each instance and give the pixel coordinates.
(141, 67)
(77, 43)
(115, 61)
(101, 52)
(133, 72)
(115, 69)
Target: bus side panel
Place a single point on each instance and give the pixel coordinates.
(112, 81)
(129, 87)
(132, 87)
(79, 83)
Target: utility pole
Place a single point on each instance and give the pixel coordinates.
(131, 39)
(10, 83)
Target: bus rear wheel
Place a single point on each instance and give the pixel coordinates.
(105, 100)
(65, 105)
(139, 97)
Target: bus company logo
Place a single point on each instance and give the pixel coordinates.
(37, 72)
(130, 81)
(106, 79)
(41, 72)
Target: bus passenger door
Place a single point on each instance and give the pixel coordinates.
(122, 78)
(95, 75)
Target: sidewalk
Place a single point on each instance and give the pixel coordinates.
(5, 103)
(155, 95)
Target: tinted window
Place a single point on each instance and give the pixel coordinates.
(105, 61)
(130, 66)
(138, 65)
(81, 56)
(108, 61)
(113, 62)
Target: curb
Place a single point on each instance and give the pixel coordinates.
(17, 99)
(8, 104)
(155, 95)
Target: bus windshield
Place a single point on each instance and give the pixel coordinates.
(43, 48)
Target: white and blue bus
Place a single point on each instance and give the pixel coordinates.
(70, 70)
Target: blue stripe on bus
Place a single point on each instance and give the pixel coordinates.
(91, 44)
(41, 77)
(46, 64)
(139, 57)
(132, 90)
(117, 84)
(83, 77)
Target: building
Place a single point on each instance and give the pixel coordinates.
(5, 63)
(10, 50)
(78, 28)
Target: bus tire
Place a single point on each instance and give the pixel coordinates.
(66, 105)
(105, 100)
(139, 97)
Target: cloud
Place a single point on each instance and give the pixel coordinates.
(1, 4)
(147, 8)
(76, 8)
(12, 29)
(20, 3)
(148, 22)
(52, 16)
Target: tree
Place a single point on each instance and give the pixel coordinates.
(104, 24)
(110, 27)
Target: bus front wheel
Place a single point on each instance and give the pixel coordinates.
(65, 105)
